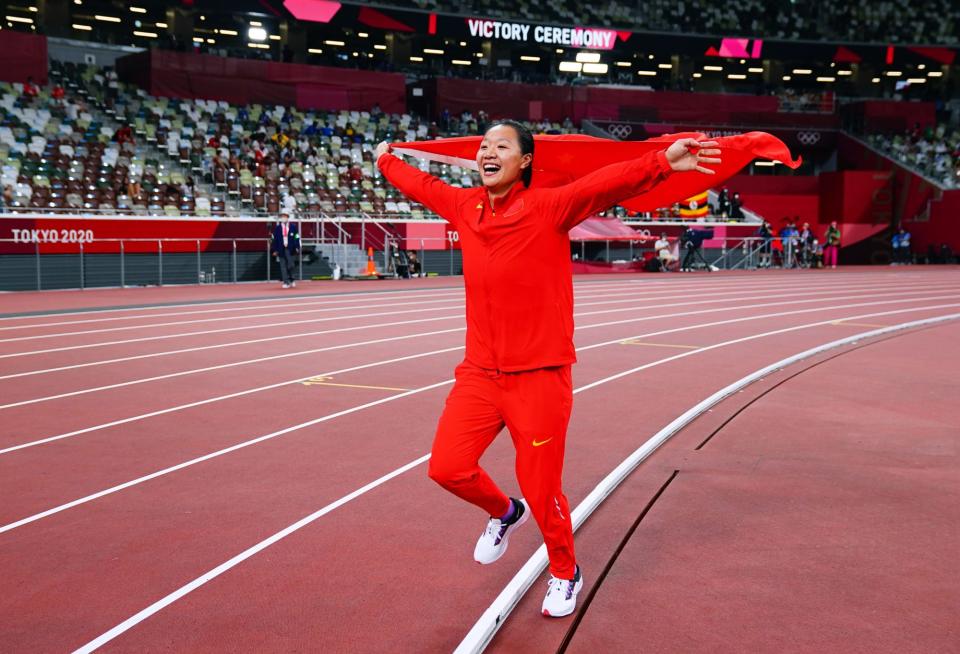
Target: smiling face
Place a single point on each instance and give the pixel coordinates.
(500, 159)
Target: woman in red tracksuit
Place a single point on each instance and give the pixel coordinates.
(519, 306)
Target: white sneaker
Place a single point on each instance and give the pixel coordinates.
(561, 596)
(495, 538)
(285, 285)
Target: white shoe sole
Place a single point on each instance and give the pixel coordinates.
(506, 538)
(573, 606)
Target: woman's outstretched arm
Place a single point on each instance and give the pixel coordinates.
(436, 195)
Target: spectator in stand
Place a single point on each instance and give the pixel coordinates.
(723, 203)
(57, 94)
(736, 213)
(124, 134)
(831, 245)
(6, 200)
(133, 188)
(30, 89)
(286, 243)
(280, 139)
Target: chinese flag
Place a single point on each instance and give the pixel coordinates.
(560, 159)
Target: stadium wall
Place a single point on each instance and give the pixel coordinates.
(776, 198)
(930, 213)
(605, 102)
(23, 56)
(248, 81)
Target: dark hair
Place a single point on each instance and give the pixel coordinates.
(525, 139)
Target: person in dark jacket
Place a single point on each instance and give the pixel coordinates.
(286, 244)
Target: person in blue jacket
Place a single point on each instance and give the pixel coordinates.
(901, 247)
(286, 244)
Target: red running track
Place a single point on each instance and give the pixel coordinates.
(155, 485)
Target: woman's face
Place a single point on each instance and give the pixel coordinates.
(499, 159)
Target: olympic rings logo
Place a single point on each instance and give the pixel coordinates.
(620, 131)
(808, 138)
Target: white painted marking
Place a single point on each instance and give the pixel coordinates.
(644, 281)
(791, 301)
(240, 558)
(287, 430)
(338, 304)
(181, 407)
(628, 297)
(232, 344)
(687, 300)
(318, 306)
(259, 316)
(189, 405)
(280, 300)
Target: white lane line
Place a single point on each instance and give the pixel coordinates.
(219, 398)
(281, 300)
(181, 373)
(318, 306)
(342, 301)
(165, 337)
(643, 281)
(626, 293)
(490, 621)
(313, 333)
(256, 302)
(264, 316)
(331, 306)
(240, 558)
(287, 430)
(190, 405)
(579, 290)
(223, 366)
(774, 290)
(186, 589)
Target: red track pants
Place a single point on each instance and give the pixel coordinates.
(535, 406)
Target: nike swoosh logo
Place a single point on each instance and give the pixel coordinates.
(537, 443)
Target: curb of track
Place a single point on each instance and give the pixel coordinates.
(493, 618)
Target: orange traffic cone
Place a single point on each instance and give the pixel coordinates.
(371, 267)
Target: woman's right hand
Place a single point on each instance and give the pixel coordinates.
(382, 149)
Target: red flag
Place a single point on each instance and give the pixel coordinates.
(560, 159)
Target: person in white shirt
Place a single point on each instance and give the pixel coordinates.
(664, 251)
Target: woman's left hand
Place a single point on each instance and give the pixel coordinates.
(689, 154)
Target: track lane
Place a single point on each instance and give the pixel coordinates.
(250, 609)
(309, 563)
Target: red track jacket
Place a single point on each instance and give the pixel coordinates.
(516, 255)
